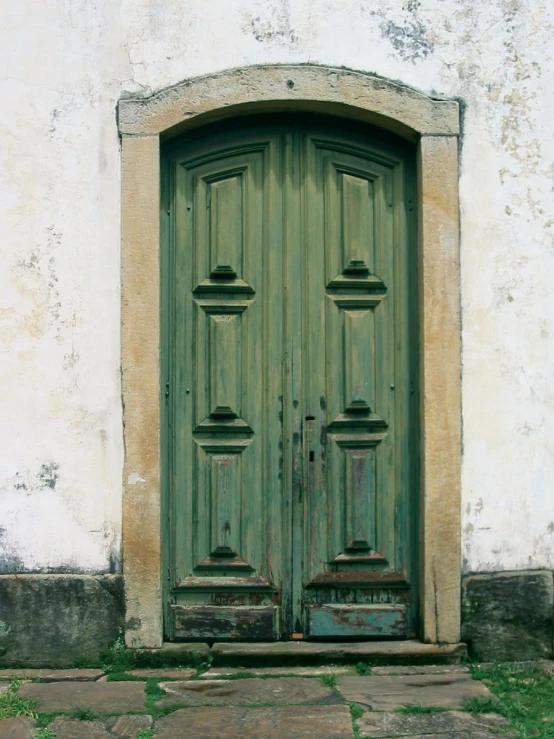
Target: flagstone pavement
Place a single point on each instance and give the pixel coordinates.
(265, 703)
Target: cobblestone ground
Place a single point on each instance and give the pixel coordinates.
(268, 703)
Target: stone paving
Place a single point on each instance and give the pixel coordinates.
(262, 703)
(389, 693)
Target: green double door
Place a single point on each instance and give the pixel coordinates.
(290, 379)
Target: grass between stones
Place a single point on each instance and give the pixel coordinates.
(154, 694)
(329, 680)
(118, 659)
(523, 695)
(123, 677)
(417, 708)
(44, 719)
(45, 733)
(82, 714)
(12, 704)
(356, 712)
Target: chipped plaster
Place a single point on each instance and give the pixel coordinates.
(64, 67)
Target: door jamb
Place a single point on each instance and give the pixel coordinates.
(434, 125)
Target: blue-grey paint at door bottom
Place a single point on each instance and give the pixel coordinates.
(357, 620)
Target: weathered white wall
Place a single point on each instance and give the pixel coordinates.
(63, 66)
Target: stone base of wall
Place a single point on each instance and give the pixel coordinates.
(54, 620)
(508, 616)
(57, 620)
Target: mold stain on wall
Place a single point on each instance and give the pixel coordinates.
(272, 24)
(408, 36)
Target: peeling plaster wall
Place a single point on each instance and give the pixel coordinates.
(63, 67)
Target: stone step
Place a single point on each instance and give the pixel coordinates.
(304, 652)
(50, 676)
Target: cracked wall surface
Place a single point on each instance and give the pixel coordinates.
(64, 67)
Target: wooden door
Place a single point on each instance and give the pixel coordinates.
(290, 380)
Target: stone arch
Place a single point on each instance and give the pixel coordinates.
(434, 125)
(289, 87)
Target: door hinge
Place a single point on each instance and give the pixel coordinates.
(167, 389)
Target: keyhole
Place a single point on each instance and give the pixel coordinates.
(312, 456)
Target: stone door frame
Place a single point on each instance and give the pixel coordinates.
(434, 126)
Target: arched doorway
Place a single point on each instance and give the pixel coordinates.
(291, 376)
(148, 124)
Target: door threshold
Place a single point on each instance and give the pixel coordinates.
(305, 652)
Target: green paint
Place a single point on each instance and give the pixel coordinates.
(289, 371)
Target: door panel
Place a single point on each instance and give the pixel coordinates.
(359, 368)
(226, 510)
(290, 374)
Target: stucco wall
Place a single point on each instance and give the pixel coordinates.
(64, 66)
